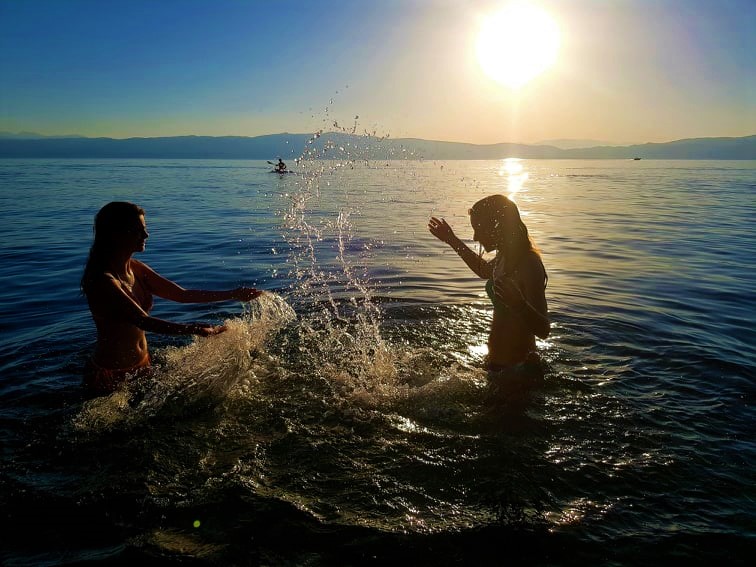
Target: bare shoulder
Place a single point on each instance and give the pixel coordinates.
(142, 270)
(104, 281)
(139, 266)
(102, 288)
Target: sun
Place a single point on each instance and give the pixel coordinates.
(517, 44)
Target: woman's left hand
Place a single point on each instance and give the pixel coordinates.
(441, 230)
(246, 293)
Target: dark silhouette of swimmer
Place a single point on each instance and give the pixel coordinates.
(516, 279)
(120, 290)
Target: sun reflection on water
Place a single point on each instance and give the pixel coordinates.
(516, 175)
(478, 351)
(578, 510)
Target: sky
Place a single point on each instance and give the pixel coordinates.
(627, 71)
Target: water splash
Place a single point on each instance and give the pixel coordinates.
(340, 321)
(203, 372)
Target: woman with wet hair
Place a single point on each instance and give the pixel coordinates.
(120, 290)
(516, 279)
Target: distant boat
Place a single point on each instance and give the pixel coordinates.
(637, 158)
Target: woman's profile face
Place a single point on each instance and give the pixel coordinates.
(136, 236)
(483, 232)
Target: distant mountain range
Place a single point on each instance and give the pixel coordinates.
(571, 144)
(349, 146)
(34, 135)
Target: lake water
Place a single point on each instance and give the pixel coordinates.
(345, 417)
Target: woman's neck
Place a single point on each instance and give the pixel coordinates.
(119, 264)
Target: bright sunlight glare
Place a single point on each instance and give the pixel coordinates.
(516, 175)
(517, 44)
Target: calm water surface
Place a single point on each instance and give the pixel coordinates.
(345, 417)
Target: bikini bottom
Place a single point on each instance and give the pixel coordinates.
(102, 380)
(531, 365)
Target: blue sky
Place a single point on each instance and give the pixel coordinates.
(627, 70)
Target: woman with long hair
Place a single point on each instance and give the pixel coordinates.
(516, 278)
(120, 290)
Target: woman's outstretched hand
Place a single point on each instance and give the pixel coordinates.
(206, 330)
(441, 230)
(246, 293)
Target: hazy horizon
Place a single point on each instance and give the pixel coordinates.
(626, 72)
(564, 143)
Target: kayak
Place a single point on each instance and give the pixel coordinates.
(281, 172)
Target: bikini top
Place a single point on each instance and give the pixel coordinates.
(144, 298)
(498, 304)
(138, 292)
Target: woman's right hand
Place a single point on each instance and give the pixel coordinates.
(441, 230)
(206, 330)
(246, 293)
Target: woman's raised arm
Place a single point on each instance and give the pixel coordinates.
(441, 230)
